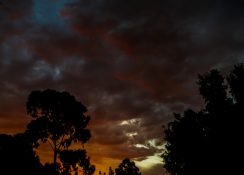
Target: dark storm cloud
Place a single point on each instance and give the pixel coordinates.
(152, 37)
(13, 15)
(124, 59)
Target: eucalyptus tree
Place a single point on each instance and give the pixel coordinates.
(57, 118)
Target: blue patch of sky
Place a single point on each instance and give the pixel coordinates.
(47, 12)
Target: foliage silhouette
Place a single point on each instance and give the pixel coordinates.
(49, 168)
(73, 160)
(110, 171)
(208, 141)
(101, 173)
(57, 118)
(127, 167)
(17, 156)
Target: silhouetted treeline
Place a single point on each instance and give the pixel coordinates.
(58, 118)
(126, 167)
(209, 141)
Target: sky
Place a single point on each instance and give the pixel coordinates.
(132, 63)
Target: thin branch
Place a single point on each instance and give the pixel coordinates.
(60, 143)
(50, 143)
(68, 128)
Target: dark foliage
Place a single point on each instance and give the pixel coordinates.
(209, 141)
(111, 171)
(17, 156)
(57, 118)
(74, 161)
(127, 167)
(49, 169)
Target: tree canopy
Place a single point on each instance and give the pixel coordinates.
(127, 167)
(57, 118)
(208, 141)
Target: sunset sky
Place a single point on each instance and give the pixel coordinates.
(132, 63)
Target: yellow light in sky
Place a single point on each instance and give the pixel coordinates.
(150, 161)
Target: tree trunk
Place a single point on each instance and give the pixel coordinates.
(55, 159)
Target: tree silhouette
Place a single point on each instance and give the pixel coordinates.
(101, 173)
(17, 156)
(57, 118)
(208, 141)
(236, 83)
(110, 171)
(72, 160)
(127, 167)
